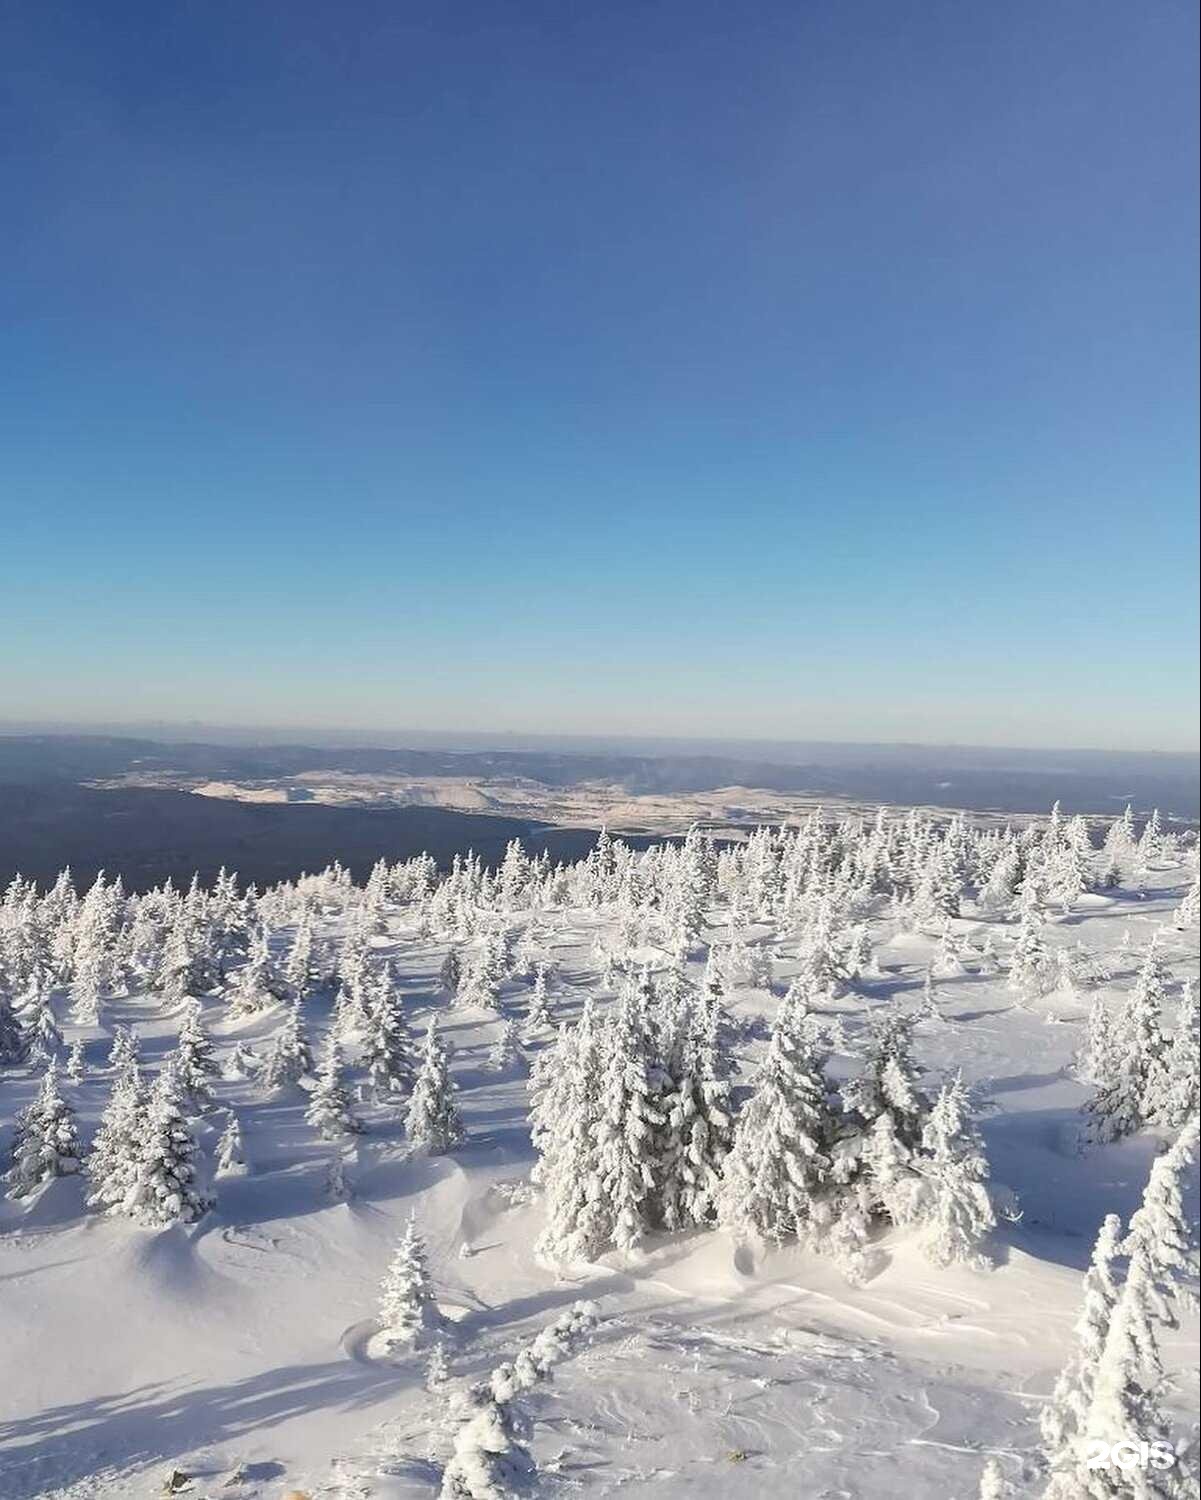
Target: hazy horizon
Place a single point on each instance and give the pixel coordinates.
(384, 737)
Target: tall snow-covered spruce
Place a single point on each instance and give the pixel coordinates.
(164, 1188)
(433, 1122)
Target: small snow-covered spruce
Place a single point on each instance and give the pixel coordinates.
(14, 1043)
(45, 1144)
(1188, 913)
(298, 967)
(242, 1062)
(125, 1048)
(329, 1111)
(489, 1461)
(291, 1057)
(1030, 972)
(778, 1163)
(537, 1016)
(955, 1201)
(77, 1062)
(505, 1054)
(231, 1153)
(407, 1309)
(992, 1482)
(450, 975)
(257, 984)
(1095, 1062)
(195, 1064)
(437, 1368)
(337, 1184)
(112, 1162)
(44, 1039)
(164, 1189)
(1062, 1419)
(432, 1121)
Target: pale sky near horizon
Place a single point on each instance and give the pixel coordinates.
(770, 371)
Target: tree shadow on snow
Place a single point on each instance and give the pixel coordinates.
(151, 1423)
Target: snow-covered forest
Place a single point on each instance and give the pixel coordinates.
(857, 1157)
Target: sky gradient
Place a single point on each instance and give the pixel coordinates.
(809, 370)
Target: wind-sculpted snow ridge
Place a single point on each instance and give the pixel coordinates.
(854, 1160)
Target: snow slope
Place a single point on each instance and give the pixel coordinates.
(240, 1350)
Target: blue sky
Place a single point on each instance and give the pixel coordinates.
(820, 370)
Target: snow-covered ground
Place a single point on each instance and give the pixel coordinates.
(242, 1350)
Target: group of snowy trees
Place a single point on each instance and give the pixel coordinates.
(634, 1106)
(143, 1160)
(258, 948)
(634, 1119)
(1111, 1391)
(1142, 1075)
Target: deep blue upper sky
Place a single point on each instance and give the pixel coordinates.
(799, 369)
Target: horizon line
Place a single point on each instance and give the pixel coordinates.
(16, 727)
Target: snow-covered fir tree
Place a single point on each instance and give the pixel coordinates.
(698, 1126)
(14, 1042)
(627, 1123)
(1030, 970)
(290, 1057)
(538, 1016)
(112, 1161)
(1188, 913)
(1173, 1097)
(257, 985)
(231, 1152)
(298, 967)
(1135, 1069)
(992, 1482)
(125, 1048)
(1161, 1236)
(450, 975)
(77, 1061)
(505, 1054)
(433, 1122)
(437, 1368)
(565, 1090)
(164, 1189)
(242, 1062)
(1113, 1391)
(387, 1050)
(195, 1061)
(955, 1201)
(1063, 1418)
(329, 1110)
(778, 1163)
(43, 1038)
(407, 1310)
(46, 1142)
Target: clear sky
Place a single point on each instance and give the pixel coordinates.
(816, 369)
